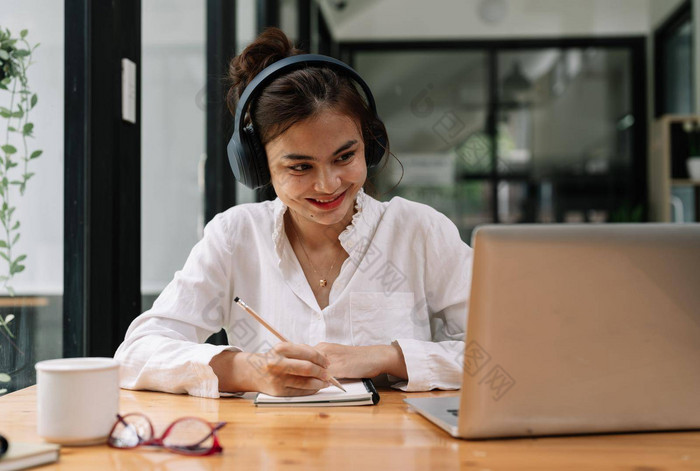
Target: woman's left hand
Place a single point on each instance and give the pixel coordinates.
(347, 361)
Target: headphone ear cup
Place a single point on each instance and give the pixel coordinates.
(257, 158)
(376, 144)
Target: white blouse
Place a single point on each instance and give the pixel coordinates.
(406, 280)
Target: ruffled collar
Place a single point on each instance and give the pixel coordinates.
(361, 225)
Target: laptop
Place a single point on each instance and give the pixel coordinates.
(578, 329)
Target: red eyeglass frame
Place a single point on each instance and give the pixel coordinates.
(158, 442)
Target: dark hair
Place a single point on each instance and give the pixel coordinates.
(296, 96)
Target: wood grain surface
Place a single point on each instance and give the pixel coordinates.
(387, 436)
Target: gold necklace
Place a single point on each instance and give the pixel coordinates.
(323, 280)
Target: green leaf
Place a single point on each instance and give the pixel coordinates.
(20, 258)
(3, 244)
(4, 181)
(9, 149)
(4, 55)
(5, 114)
(2, 254)
(19, 268)
(27, 129)
(9, 318)
(23, 33)
(10, 290)
(18, 114)
(11, 164)
(34, 101)
(21, 53)
(29, 175)
(14, 241)
(5, 378)
(11, 129)
(36, 154)
(14, 228)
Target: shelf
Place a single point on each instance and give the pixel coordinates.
(667, 170)
(23, 301)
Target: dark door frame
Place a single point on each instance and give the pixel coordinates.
(102, 195)
(220, 187)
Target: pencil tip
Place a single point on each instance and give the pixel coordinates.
(235, 300)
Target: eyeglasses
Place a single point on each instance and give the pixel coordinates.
(187, 436)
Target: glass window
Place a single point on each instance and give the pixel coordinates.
(564, 118)
(173, 138)
(509, 135)
(31, 236)
(434, 106)
(677, 70)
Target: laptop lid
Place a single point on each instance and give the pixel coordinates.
(582, 329)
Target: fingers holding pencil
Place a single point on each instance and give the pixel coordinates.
(312, 355)
(290, 370)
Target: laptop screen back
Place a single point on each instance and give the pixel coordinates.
(582, 329)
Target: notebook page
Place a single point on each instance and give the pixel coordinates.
(356, 389)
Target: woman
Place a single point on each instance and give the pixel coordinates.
(361, 288)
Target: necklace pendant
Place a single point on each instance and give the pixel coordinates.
(322, 282)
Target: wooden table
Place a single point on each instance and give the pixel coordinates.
(387, 436)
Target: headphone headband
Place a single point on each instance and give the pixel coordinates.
(288, 64)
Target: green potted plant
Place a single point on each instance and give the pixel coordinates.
(16, 155)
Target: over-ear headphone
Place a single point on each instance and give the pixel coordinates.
(246, 153)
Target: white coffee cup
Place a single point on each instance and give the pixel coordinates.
(77, 399)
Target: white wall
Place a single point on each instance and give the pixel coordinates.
(461, 19)
(40, 210)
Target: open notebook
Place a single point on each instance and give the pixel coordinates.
(358, 393)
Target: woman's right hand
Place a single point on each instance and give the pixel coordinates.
(287, 369)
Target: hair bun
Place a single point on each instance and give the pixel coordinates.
(269, 47)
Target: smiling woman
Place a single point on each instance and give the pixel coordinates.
(317, 167)
(363, 288)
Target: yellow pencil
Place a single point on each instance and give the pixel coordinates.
(274, 332)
